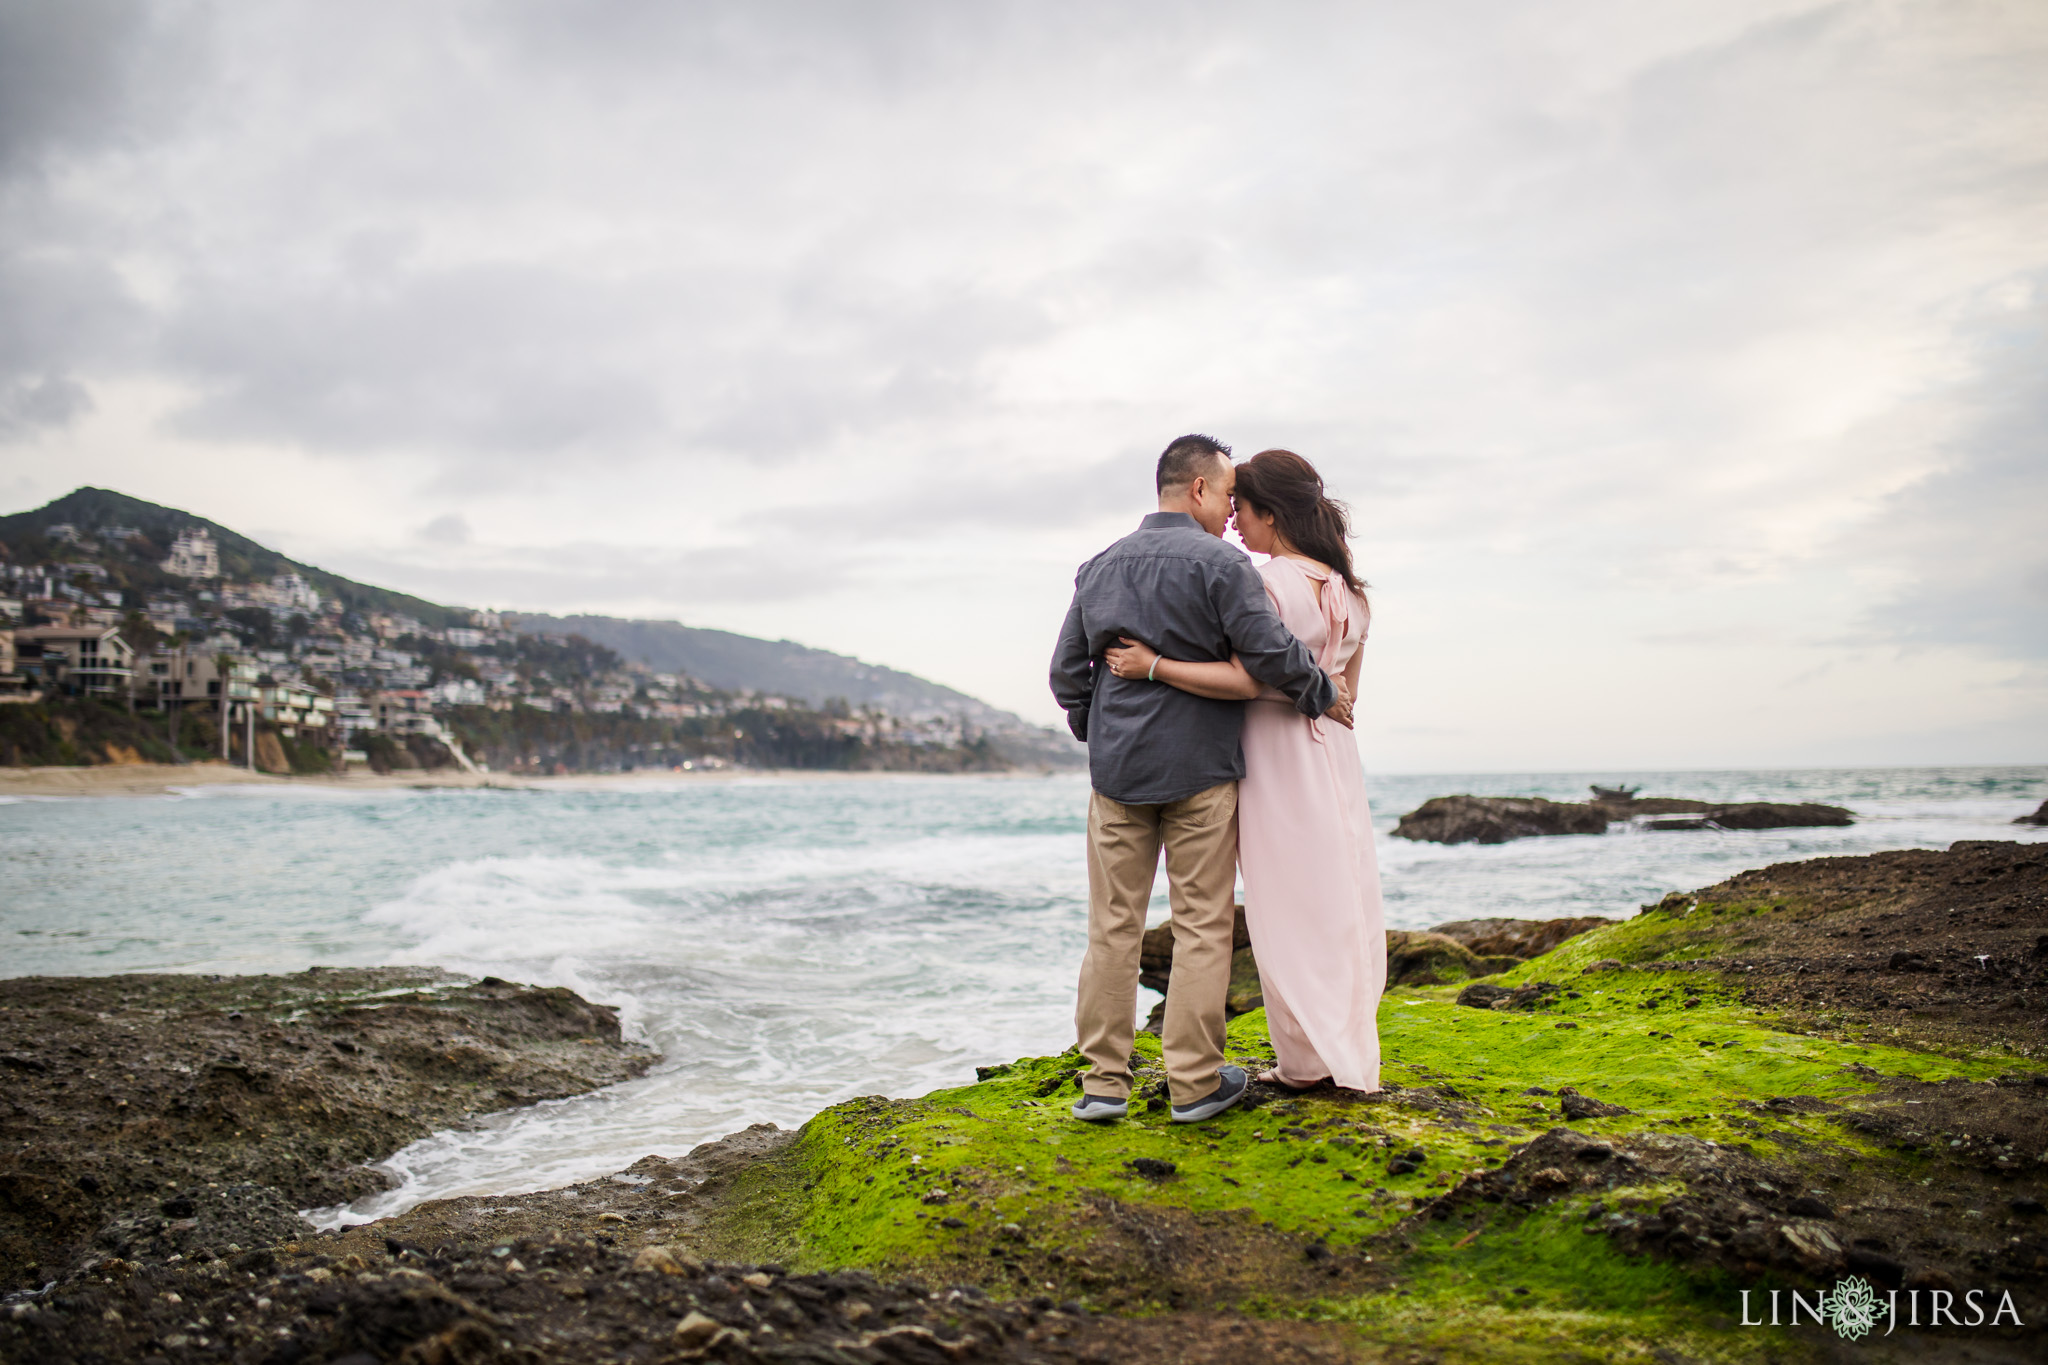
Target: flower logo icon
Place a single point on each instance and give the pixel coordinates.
(1851, 1307)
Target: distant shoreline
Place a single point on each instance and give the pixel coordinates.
(164, 779)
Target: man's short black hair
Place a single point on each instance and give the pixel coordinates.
(1189, 458)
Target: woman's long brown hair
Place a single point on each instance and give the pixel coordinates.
(1286, 487)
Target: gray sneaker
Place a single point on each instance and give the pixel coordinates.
(1097, 1108)
(1232, 1082)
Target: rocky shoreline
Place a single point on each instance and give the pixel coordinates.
(1816, 1070)
(152, 1117)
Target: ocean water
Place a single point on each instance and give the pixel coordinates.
(785, 943)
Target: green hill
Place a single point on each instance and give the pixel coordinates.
(25, 538)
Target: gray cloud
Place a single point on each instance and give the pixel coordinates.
(67, 77)
(1967, 540)
(450, 528)
(51, 401)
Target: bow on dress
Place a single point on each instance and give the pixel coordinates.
(1335, 603)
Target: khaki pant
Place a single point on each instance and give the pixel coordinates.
(1200, 835)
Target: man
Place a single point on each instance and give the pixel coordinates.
(1164, 765)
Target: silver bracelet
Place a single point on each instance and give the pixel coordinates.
(1149, 672)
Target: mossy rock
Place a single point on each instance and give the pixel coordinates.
(1594, 1175)
(1423, 958)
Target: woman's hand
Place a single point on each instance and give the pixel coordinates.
(1340, 709)
(1131, 659)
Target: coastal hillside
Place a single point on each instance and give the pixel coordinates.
(185, 593)
(739, 663)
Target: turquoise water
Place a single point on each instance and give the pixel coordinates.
(785, 943)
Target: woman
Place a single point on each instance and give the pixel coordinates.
(1311, 879)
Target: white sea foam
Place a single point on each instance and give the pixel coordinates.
(774, 980)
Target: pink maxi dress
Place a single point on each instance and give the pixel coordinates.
(1311, 878)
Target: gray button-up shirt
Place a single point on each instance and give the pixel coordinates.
(1190, 596)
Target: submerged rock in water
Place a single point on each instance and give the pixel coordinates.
(1778, 815)
(1497, 819)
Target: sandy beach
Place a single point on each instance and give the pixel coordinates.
(165, 779)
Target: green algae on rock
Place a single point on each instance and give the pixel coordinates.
(1728, 1138)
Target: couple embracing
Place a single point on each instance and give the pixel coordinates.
(1215, 699)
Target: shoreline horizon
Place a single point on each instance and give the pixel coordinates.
(114, 780)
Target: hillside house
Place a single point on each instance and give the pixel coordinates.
(297, 710)
(185, 675)
(13, 685)
(75, 661)
(193, 555)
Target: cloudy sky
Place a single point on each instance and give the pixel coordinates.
(1685, 365)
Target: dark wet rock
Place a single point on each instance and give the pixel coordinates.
(1518, 938)
(1497, 819)
(1724, 1214)
(207, 1222)
(575, 1298)
(1481, 996)
(2039, 817)
(174, 1115)
(1426, 958)
(1681, 823)
(1877, 1267)
(1535, 995)
(1931, 1277)
(1778, 815)
(1934, 949)
(1758, 815)
(1578, 1106)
